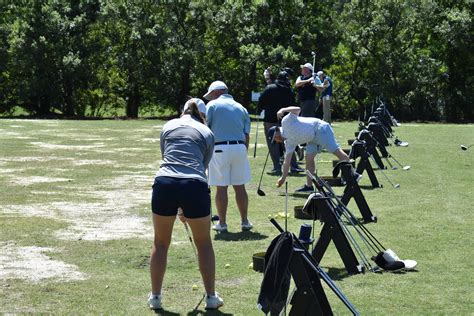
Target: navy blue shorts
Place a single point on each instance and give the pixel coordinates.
(192, 195)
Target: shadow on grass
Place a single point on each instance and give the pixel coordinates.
(369, 187)
(303, 195)
(240, 236)
(338, 274)
(165, 313)
(212, 312)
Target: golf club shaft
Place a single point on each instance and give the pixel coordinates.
(390, 155)
(180, 212)
(383, 173)
(322, 184)
(389, 163)
(263, 170)
(256, 137)
(286, 206)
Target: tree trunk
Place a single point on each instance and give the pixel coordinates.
(69, 105)
(185, 88)
(133, 102)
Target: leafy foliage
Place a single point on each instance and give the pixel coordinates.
(104, 57)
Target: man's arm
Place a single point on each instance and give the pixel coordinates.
(299, 82)
(292, 109)
(286, 169)
(321, 86)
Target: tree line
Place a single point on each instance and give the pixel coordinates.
(100, 57)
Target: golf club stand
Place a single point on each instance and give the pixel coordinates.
(309, 297)
(332, 230)
(359, 150)
(371, 146)
(361, 239)
(352, 190)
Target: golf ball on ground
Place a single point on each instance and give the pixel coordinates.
(195, 287)
(227, 265)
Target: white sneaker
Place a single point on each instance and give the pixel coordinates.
(214, 301)
(154, 301)
(246, 226)
(220, 228)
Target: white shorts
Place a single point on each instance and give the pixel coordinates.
(229, 165)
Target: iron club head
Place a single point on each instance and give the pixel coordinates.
(260, 192)
(396, 186)
(406, 168)
(463, 147)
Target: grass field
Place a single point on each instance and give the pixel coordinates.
(75, 224)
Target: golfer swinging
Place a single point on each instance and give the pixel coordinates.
(316, 133)
(187, 146)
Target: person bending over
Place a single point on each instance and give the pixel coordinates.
(316, 133)
(181, 183)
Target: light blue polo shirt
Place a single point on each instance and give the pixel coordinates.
(227, 119)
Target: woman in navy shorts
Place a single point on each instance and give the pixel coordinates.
(181, 183)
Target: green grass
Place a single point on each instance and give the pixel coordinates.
(81, 190)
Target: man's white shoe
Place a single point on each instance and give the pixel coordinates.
(154, 301)
(214, 301)
(246, 226)
(220, 228)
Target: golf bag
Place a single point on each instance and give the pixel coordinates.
(286, 257)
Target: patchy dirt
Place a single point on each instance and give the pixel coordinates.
(114, 217)
(32, 264)
(36, 179)
(67, 146)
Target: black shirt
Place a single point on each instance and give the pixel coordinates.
(274, 97)
(306, 92)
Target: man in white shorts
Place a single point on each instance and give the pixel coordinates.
(317, 135)
(230, 123)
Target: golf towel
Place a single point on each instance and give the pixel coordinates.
(276, 278)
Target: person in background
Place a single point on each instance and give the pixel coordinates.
(276, 96)
(186, 146)
(230, 123)
(326, 94)
(316, 133)
(307, 87)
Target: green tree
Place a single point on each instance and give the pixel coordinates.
(133, 41)
(48, 54)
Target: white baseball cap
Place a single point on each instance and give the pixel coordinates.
(216, 85)
(200, 104)
(307, 65)
(319, 73)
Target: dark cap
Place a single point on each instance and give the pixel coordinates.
(282, 78)
(271, 132)
(282, 75)
(289, 71)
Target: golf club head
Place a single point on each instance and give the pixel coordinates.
(260, 192)
(396, 186)
(313, 54)
(406, 168)
(394, 167)
(463, 147)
